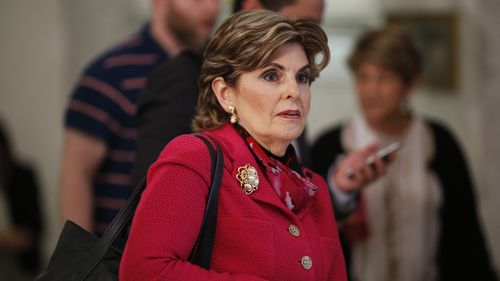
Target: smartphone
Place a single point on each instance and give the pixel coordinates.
(381, 153)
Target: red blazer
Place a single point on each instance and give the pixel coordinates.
(252, 240)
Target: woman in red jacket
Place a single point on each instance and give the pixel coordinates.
(254, 100)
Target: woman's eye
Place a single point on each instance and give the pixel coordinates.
(303, 78)
(271, 76)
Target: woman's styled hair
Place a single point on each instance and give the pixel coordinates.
(245, 42)
(391, 48)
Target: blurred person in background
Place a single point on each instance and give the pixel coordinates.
(296, 9)
(100, 128)
(419, 222)
(20, 216)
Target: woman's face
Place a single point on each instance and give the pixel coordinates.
(272, 103)
(381, 92)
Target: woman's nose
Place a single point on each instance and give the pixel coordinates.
(293, 90)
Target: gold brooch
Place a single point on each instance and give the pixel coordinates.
(248, 178)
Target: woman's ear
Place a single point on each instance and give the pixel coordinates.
(223, 92)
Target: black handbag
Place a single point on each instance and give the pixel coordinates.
(79, 255)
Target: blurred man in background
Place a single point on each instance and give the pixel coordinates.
(100, 130)
(297, 9)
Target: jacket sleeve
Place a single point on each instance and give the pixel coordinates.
(165, 108)
(169, 216)
(325, 153)
(463, 253)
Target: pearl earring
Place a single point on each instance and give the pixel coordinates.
(233, 114)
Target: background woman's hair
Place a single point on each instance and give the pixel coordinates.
(391, 48)
(245, 42)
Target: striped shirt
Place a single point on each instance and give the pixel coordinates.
(103, 105)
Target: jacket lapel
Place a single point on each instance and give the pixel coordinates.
(265, 193)
(237, 152)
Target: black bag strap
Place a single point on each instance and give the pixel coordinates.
(202, 252)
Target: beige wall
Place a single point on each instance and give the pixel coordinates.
(488, 113)
(32, 81)
(45, 44)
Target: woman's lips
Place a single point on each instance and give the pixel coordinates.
(290, 114)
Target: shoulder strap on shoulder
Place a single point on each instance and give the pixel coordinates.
(202, 251)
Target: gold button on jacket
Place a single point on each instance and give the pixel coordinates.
(294, 230)
(306, 262)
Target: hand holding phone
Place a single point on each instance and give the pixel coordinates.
(381, 153)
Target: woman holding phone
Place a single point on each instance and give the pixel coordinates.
(419, 221)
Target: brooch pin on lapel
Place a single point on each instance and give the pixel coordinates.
(248, 178)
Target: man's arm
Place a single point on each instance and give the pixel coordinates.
(82, 155)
